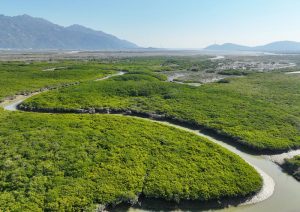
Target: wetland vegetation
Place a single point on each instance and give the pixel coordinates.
(26, 77)
(80, 162)
(292, 166)
(260, 111)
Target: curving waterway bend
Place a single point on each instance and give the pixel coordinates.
(280, 191)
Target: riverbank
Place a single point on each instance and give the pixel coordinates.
(280, 158)
(11, 103)
(293, 72)
(235, 141)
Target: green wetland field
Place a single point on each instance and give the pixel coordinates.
(260, 111)
(73, 162)
(64, 160)
(22, 78)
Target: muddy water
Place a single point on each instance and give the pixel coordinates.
(286, 196)
(11, 105)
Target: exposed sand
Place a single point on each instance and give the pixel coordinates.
(279, 158)
(294, 72)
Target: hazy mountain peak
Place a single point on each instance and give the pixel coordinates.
(78, 27)
(26, 32)
(227, 47)
(27, 17)
(24, 16)
(278, 46)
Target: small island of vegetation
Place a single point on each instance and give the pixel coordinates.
(292, 166)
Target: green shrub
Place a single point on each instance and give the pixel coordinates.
(51, 162)
(261, 111)
(292, 166)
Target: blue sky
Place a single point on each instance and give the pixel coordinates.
(173, 23)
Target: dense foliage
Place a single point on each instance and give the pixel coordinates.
(235, 72)
(292, 166)
(76, 162)
(261, 111)
(56, 162)
(25, 77)
(20, 77)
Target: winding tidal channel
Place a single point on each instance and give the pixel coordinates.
(280, 191)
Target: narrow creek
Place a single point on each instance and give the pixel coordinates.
(280, 192)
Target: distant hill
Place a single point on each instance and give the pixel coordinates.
(228, 47)
(26, 32)
(280, 46)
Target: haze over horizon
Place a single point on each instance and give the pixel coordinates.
(173, 23)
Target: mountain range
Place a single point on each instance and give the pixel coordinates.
(26, 32)
(279, 46)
